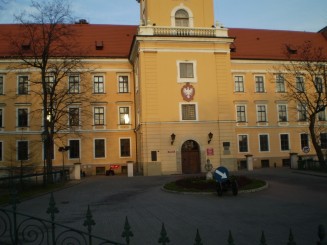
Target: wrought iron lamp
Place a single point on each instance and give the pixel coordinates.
(172, 137)
(210, 135)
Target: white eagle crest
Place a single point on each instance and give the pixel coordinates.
(188, 91)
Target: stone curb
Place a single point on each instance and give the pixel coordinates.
(214, 193)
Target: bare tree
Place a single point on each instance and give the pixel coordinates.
(47, 42)
(305, 77)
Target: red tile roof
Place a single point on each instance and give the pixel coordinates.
(117, 41)
(269, 44)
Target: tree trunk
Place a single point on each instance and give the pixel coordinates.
(315, 143)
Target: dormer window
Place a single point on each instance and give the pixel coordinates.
(181, 18)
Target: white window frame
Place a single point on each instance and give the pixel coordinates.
(104, 115)
(105, 148)
(129, 115)
(1, 150)
(301, 139)
(2, 121)
(80, 147)
(28, 150)
(130, 147)
(278, 90)
(28, 84)
(104, 83)
(286, 107)
(3, 84)
(299, 112)
(181, 112)
(266, 113)
(245, 113)
(280, 142)
(247, 142)
(128, 82)
(263, 84)
(268, 139)
(243, 83)
(79, 84)
(28, 117)
(189, 80)
(188, 10)
(298, 89)
(79, 116)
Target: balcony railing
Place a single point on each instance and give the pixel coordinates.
(183, 31)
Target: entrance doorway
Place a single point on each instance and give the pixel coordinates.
(191, 163)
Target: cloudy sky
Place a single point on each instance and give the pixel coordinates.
(298, 15)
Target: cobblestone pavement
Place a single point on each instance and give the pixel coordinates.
(292, 200)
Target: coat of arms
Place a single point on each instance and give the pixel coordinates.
(188, 92)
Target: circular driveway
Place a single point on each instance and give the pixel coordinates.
(292, 201)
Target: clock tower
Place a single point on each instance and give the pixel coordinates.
(182, 76)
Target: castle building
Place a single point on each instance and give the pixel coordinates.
(168, 95)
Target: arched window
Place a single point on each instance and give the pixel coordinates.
(181, 18)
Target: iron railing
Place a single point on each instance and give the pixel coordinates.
(20, 229)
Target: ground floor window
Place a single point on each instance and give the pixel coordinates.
(74, 149)
(125, 148)
(99, 148)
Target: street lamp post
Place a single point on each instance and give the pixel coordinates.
(44, 138)
(63, 149)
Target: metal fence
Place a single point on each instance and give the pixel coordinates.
(17, 228)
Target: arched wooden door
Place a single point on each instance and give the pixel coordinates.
(191, 157)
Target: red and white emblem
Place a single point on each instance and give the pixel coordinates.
(188, 92)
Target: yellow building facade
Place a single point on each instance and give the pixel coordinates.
(170, 95)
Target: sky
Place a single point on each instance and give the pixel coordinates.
(297, 15)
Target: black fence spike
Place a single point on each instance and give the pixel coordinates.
(163, 236)
(230, 238)
(198, 240)
(291, 240)
(321, 233)
(263, 239)
(127, 233)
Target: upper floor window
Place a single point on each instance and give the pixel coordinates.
(299, 84)
(98, 84)
(123, 84)
(74, 149)
(98, 115)
(74, 82)
(238, 84)
(262, 113)
(243, 143)
(1, 151)
(73, 116)
(22, 117)
(125, 147)
(1, 85)
(323, 140)
(284, 142)
(124, 117)
(188, 112)
(322, 115)
(319, 84)
(282, 113)
(99, 148)
(1, 117)
(264, 142)
(259, 84)
(241, 113)
(280, 83)
(182, 18)
(22, 84)
(49, 81)
(302, 112)
(186, 71)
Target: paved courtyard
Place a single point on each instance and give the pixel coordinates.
(292, 200)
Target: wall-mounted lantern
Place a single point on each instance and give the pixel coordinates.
(210, 135)
(172, 137)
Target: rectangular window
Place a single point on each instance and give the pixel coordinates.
(282, 113)
(280, 84)
(22, 117)
(98, 115)
(259, 84)
(22, 150)
(243, 143)
(74, 149)
(99, 148)
(1, 117)
(123, 84)
(264, 142)
(124, 117)
(261, 113)
(1, 85)
(284, 142)
(73, 116)
(49, 80)
(23, 85)
(318, 84)
(125, 148)
(241, 115)
(323, 140)
(186, 70)
(189, 112)
(98, 84)
(300, 84)
(322, 115)
(154, 156)
(304, 140)
(74, 81)
(239, 84)
(302, 112)
(1, 151)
